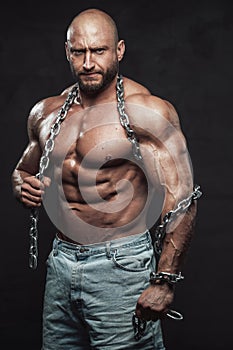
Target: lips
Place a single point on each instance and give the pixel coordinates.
(90, 75)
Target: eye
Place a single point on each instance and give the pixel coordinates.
(77, 52)
(99, 51)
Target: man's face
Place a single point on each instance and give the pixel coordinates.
(96, 79)
(92, 53)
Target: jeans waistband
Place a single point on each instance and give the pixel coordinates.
(102, 247)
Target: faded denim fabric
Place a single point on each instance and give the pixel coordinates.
(91, 293)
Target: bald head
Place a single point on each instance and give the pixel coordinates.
(93, 50)
(96, 21)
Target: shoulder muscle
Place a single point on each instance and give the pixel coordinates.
(41, 110)
(157, 105)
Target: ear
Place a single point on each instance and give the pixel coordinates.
(120, 50)
(67, 51)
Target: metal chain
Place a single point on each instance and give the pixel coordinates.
(140, 325)
(182, 206)
(43, 165)
(124, 119)
(49, 145)
(44, 162)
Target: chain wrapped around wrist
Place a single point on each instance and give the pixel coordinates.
(170, 278)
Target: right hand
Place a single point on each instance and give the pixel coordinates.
(32, 191)
(155, 301)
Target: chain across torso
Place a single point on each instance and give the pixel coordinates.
(134, 150)
(44, 163)
(55, 133)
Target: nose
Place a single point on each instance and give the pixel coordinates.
(88, 63)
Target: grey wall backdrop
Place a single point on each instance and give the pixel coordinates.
(181, 51)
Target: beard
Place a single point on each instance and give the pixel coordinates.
(92, 87)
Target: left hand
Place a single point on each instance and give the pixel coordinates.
(155, 301)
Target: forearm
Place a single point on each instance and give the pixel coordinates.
(176, 242)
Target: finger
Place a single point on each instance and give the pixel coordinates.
(149, 315)
(30, 199)
(30, 204)
(26, 188)
(32, 196)
(34, 182)
(143, 313)
(138, 310)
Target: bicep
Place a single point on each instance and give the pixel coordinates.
(163, 146)
(177, 169)
(168, 166)
(29, 161)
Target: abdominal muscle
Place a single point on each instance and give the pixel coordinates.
(109, 203)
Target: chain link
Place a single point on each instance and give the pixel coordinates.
(124, 119)
(43, 165)
(182, 206)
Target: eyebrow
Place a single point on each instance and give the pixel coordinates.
(93, 48)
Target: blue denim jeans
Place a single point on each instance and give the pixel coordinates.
(91, 293)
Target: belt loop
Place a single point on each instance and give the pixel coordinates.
(55, 246)
(108, 250)
(149, 240)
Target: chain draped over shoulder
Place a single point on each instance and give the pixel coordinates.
(49, 146)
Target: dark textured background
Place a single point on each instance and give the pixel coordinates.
(181, 51)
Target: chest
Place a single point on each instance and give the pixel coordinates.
(93, 136)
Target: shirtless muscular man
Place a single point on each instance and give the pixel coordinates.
(108, 179)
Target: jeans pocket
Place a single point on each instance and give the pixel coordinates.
(132, 262)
